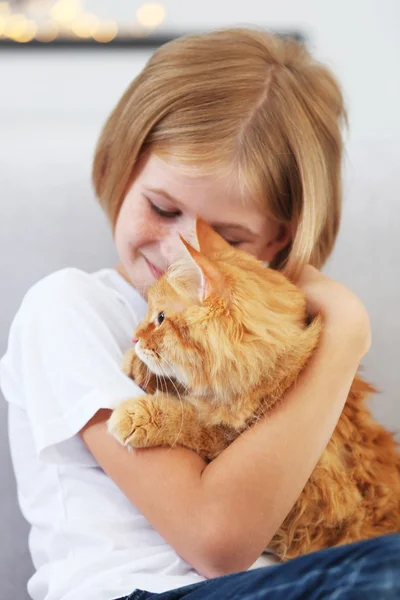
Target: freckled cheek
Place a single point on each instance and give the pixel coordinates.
(139, 230)
(152, 229)
(143, 231)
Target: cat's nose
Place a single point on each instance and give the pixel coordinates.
(134, 340)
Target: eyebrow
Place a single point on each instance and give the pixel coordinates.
(236, 226)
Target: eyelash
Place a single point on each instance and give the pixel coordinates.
(165, 214)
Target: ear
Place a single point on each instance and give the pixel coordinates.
(209, 242)
(209, 279)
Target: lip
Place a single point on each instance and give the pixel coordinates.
(155, 271)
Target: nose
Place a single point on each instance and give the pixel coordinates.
(134, 340)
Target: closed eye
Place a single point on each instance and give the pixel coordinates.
(165, 214)
(174, 214)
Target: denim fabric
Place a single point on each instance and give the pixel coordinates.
(367, 570)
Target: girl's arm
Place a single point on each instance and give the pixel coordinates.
(220, 517)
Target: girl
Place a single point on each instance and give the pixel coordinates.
(244, 130)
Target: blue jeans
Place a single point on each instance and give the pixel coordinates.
(367, 570)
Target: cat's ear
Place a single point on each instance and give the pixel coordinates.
(208, 278)
(208, 241)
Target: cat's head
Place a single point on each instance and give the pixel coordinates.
(219, 321)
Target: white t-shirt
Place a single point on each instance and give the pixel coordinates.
(87, 540)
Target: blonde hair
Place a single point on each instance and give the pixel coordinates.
(247, 101)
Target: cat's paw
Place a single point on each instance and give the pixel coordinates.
(135, 423)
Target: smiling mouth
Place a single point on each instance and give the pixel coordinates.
(155, 271)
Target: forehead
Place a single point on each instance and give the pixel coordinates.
(212, 196)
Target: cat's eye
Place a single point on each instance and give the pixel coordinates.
(160, 318)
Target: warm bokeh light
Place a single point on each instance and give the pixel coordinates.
(67, 19)
(20, 29)
(48, 32)
(105, 32)
(150, 15)
(29, 33)
(15, 25)
(65, 11)
(85, 26)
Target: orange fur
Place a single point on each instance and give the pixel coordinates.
(233, 340)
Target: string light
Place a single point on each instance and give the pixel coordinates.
(150, 15)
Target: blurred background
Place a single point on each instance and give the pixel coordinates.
(64, 65)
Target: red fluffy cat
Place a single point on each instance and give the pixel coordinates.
(223, 339)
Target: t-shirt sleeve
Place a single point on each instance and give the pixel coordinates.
(63, 361)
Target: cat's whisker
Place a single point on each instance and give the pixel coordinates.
(182, 411)
(139, 381)
(157, 386)
(160, 388)
(178, 395)
(174, 371)
(165, 375)
(163, 382)
(145, 379)
(168, 376)
(170, 379)
(166, 394)
(148, 377)
(161, 379)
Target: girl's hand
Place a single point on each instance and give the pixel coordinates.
(343, 312)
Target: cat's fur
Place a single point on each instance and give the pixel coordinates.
(234, 339)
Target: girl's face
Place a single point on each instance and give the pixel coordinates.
(164, 201)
